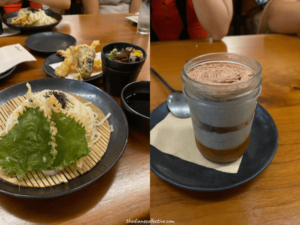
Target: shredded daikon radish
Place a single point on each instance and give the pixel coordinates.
(97, 137)
(103, 120)
(50, 172)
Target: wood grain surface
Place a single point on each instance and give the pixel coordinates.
(124, 192)
(273, 196)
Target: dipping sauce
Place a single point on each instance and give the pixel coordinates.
(139, 102)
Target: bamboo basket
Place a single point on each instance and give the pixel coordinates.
(37, 179)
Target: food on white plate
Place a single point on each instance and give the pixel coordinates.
(81, 59)
(49, 131)
(32, 17)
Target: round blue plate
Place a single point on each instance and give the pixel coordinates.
(56, 58)
(260, 152)
(7, 73)
(115, 149)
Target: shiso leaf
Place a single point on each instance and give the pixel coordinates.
(70, 140)
(27, 146)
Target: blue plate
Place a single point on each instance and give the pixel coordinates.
(115, 149)
(260, 152)
(7, 73)
(56, 58)
(55, 41)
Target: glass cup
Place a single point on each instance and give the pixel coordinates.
(222, 115)
(144, 18)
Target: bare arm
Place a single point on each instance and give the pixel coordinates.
(284, 16)
(135, 6)
(60, 4)
(7, 2)
(215, 16)
(91, 6)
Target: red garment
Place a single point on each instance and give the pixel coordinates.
(167, 24)
(17, 6)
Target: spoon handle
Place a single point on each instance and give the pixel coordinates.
(161, 79)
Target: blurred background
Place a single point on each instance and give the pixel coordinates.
(246, 16)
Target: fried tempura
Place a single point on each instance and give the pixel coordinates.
(80, 58)
(67, 65)
(95, 44)
(97, 64)
(20, 21)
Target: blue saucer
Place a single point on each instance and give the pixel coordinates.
(260, 152)
(7, 73)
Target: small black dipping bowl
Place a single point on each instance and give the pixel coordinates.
(116, 75)
(114, 81)
(135, 118)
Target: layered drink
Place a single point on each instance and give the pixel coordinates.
(222, 91)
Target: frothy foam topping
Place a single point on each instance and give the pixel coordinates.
(220, 73)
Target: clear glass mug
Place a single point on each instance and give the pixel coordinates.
(222, 115)
(143, 26)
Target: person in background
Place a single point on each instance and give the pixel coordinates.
(12, 5)
(111, 6)
(56, 10)
(284, 16)
(91, 6)
(190, 19)
(7, 2)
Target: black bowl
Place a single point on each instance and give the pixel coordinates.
(135, 118)
(7, 19)
(114, 81)
(120, 66)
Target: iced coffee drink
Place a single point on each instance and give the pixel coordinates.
(222, 91)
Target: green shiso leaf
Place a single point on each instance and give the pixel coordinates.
(70, 140)
(27, 146)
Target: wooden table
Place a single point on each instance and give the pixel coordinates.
(124, 192)
(273, 196)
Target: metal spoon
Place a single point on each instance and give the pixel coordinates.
(177, 102)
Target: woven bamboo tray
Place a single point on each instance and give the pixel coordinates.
(37, 179)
